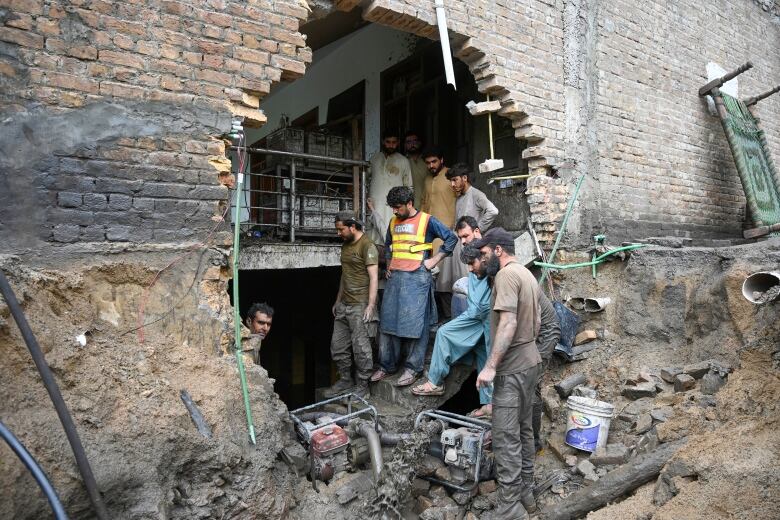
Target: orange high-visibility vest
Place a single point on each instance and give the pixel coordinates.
(409, 246)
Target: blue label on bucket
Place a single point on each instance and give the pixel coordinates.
(583, 439)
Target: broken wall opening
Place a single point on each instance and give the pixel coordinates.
(296, 353)
(400, 82)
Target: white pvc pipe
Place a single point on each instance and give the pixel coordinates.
(444, 38)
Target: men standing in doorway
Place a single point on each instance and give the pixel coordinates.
(408, 309)
(513, 368)
(439, 201)
(388, 168)
(413, 149)
(470, 202)
(355, 309)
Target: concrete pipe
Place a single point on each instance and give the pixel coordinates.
(762, 287)
(596, 304)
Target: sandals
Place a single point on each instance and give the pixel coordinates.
(478, 413)
(407, 378)
(379, 375)
(435, 391)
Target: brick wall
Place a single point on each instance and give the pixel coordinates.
(109, 111)
(664, 167)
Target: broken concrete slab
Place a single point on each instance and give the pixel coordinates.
(585, 391)
(442, 473)
(662, 414)
(551, 403)
(565, 387)
(463, 497)
(610, 454)
(669, 373)
(712, 382)
(697, 370)
(683, 382)
(640, 390)
(437, 492)
(420, 487)
(423, 503)
(587, 470)
(644, 423)
(559, 447)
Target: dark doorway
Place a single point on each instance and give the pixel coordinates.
(296, 352)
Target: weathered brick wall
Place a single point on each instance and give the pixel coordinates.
(109, 111)
(664, 167)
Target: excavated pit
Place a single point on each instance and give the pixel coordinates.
(670, 307)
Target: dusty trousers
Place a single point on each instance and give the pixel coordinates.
(350, 341)
(513, 398)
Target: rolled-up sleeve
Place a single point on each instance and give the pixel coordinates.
(487, 211)
(438, 230)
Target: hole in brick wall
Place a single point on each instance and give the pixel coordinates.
(296, 353)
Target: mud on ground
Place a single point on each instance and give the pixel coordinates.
(669, 307)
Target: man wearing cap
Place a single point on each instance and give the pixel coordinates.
(354, 312)
(513, 369)
(408, 308)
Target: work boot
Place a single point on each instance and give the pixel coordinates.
(528, 500)
(362, 390)
(341, 387)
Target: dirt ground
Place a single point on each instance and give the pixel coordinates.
(670, 307)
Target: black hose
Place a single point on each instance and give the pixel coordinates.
(56, 398)
(38, 473)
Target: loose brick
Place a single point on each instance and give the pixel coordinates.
(20, 37)
(121, 58)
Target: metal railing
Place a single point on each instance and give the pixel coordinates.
(299, 197)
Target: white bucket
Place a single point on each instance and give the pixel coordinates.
(588, 421)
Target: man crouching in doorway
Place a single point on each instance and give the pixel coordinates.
(354, 312)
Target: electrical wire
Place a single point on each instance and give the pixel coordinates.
(140, 324)
(37, 472)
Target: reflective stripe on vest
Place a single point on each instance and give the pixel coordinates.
(408, 242)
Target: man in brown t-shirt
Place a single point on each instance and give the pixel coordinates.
(355, 309)
(513, 369)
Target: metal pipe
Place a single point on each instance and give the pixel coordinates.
(444, 39)
(366, 430)
(762, 283)
(56, 397)
(292, 201)
(297, 155)
(363, 188)
(563, 227)
(391, 438)
(37, 472)
(236, 315)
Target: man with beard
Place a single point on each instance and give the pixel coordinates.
(413, 149)
(408, 309)
(388, 168)
(513, 368)
(467, 333)
(470, 202)
(354, 312)
(439, 201)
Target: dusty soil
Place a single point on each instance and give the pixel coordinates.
(669, 307)
(148, 458)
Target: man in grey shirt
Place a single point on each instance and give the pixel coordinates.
(470, 202)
